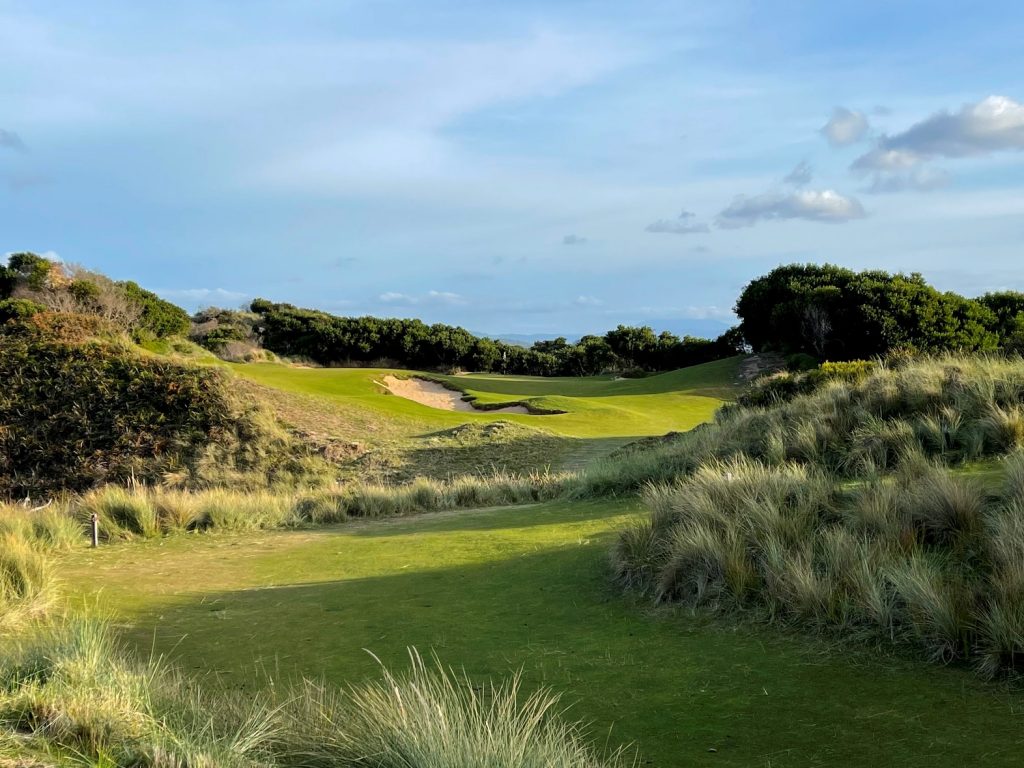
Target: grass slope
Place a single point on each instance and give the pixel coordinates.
(406, 438)
(527, 587)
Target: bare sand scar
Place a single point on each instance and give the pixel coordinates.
(437, 396)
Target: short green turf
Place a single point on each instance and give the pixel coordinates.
(499, 590)
(398, 439)
(595, 407)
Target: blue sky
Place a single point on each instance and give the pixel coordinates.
(514, 167)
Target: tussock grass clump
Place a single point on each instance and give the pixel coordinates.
(922, 557)
(122, 512)
(52, 527)
(68, 689)
(430, 717)
(27, 587)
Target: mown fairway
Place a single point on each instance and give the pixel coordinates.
(403, 439)
(527, 587)
(595, 407)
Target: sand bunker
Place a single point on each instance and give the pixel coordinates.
(437, 396)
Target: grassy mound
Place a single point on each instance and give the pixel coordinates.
(843, 510)
(78, 409)
(951, 409)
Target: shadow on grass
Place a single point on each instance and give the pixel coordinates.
(489, 519)
(688, 692)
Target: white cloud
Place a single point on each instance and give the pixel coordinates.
(684, 225)
(573, 240)
(812, 205)
(991, 125)
(886, 160)
(708, 313)
(588, 301)
(897, 162)
(801, 175)
(430, 297)
(845, 127)
(445, 297)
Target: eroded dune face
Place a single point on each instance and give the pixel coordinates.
(435, 395)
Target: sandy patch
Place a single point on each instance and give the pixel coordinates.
(435, 395)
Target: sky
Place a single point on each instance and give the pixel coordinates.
(553, 167)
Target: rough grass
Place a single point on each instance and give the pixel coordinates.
(141, 512)
(924, 559)
(77, 414)
(498, 591)
(27, 587)
(953, 409)
(69, 692)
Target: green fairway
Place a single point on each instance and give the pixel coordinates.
(494, 591)
(598, 414)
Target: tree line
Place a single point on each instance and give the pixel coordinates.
(825, 312)
(332, 340)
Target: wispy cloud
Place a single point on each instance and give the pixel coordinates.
(916, 179)
(11, 140)
(573, 240)
(991, 125)
(685, 224)
(801, 175)
(430, 297)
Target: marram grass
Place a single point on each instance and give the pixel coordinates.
(924, 559)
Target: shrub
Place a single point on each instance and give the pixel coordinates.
(76, 415)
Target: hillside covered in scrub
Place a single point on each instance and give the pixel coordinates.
(83, 404)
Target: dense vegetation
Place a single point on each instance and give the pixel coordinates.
(757, 513)
(30, 284)
(80, 407)
(330, 340)
(838, 314)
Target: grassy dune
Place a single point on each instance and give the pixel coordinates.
(528, 587)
